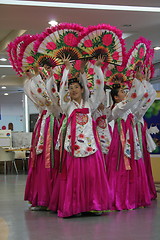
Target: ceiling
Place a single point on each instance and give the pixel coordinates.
(17, 20)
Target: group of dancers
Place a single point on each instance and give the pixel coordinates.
(88, 156)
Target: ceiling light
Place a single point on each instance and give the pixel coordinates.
(156, 48)
(127, 25)
(3, 76)
(6, 94)
(53, 23)
(5, 66)
(3, 59)
(81, 6)
(3, 87)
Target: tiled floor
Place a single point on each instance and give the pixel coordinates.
(17, 222)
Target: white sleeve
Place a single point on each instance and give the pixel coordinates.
(133, 100)
(98, 93)
(83, 81)
(63, 90)
(147, 100)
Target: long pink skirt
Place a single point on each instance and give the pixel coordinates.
(82, 184)
(129, 187)
(147, 162)
(42, 174)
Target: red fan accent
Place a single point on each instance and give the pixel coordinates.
(105, 40)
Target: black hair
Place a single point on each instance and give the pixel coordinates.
(74, 80)
(114, 91)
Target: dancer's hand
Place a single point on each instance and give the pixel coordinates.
(66, 61)
(83, 63)
(100, 60)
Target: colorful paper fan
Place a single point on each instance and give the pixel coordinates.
(12, 57)
(105, 40)
(27, 59)
(15, 52)
(53, 61)
(148, 63)
(59, 41)
(137, 54)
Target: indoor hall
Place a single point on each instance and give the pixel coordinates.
(18, 116)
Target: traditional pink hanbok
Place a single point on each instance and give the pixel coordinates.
(82, 182)
(43, 162)
(146, 142)
(126, 168)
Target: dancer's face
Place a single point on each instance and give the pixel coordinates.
(121, 95)
(75, 91)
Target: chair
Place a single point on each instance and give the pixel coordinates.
(21, 155)
(7, 157)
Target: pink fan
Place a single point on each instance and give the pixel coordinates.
(138, 53)
(14, 52)
(105, 40)
(59, 41)
(27, 58)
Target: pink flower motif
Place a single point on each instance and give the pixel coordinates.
(91, 71)
(30, 59)
(88, 43)
(120, 68)
(56, 76)
(41, 147)
(108, 73)
(102, 136)
(107, 39)
(89, 85)
(77, 65)
(51, 46)
(149, 100)
(115, 55)
(128, 73)
(69, 136)
(98, 81)
(70, 40)
(141, 52)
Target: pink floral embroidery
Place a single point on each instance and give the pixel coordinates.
(51, 46)
(81, 135)
(89, 149)
(133, 95)
(146, 95)
(76, 147)
(88, 43)
(69, 136)
(149, 100)
(39, 90)
(70, 40)
(53, 90)
(98, 81)
(107, 39)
